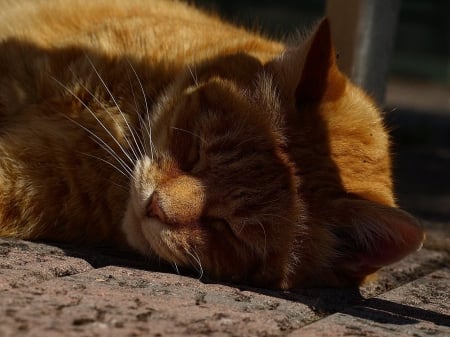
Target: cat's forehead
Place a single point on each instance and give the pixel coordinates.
(236, 132)
(240, 68)
(232, 105)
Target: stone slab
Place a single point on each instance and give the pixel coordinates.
(420, 309)
(410, 268)
(52, 291)
(116, 301)
(24, 263)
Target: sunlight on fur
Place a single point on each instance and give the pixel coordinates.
(149, 125)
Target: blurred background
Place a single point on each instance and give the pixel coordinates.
(417, 92)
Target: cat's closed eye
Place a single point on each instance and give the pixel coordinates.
(185, 147)
(216, 224)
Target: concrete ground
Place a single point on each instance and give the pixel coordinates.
(52, 290)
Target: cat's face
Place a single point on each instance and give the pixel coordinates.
(219, 193)
(268, 182)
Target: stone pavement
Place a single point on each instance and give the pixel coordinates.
(48, 290)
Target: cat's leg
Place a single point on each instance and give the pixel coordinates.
(8, 205)
(18, 217)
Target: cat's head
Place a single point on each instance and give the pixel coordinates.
(217, 191)
(274, 174)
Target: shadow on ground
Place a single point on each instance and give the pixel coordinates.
(322, 301)
(387, 312)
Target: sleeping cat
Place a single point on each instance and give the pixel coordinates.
(152, 126)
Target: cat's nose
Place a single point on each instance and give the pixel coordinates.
(178, 202)
(154, 208)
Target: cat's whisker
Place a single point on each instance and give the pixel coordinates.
(159, 260)
(198, 264)
(265, 237)
(277, 216)
(193, 74)
(118, 159)
(117, 105)
(147, 128)
(152, 145)
(103, 145)
(123, 187)
(126, 174)
(190, 133)
(247, 140)
(175, 266)
(141, 146)
(105, 108)
(239, 232)
(151, 259)
(96, 118)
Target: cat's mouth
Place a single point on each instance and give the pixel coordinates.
(153, 237)
(163, 241)
(162, 214)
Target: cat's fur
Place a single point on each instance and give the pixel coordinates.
(147, 124)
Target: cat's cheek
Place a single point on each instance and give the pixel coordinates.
(133, 231)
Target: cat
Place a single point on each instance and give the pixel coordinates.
(152, 126)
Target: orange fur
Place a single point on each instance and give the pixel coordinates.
(150, 125)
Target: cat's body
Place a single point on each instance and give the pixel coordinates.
(252, 161)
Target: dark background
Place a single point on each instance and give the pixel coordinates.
(418, 90)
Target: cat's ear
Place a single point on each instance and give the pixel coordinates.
(309, 70)
(320, 77)
(370, 236)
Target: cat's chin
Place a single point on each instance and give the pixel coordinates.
(163, 241)
(134, 218)
(150, 236)
(133, 231)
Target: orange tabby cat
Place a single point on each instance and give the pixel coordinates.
(149, 125)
